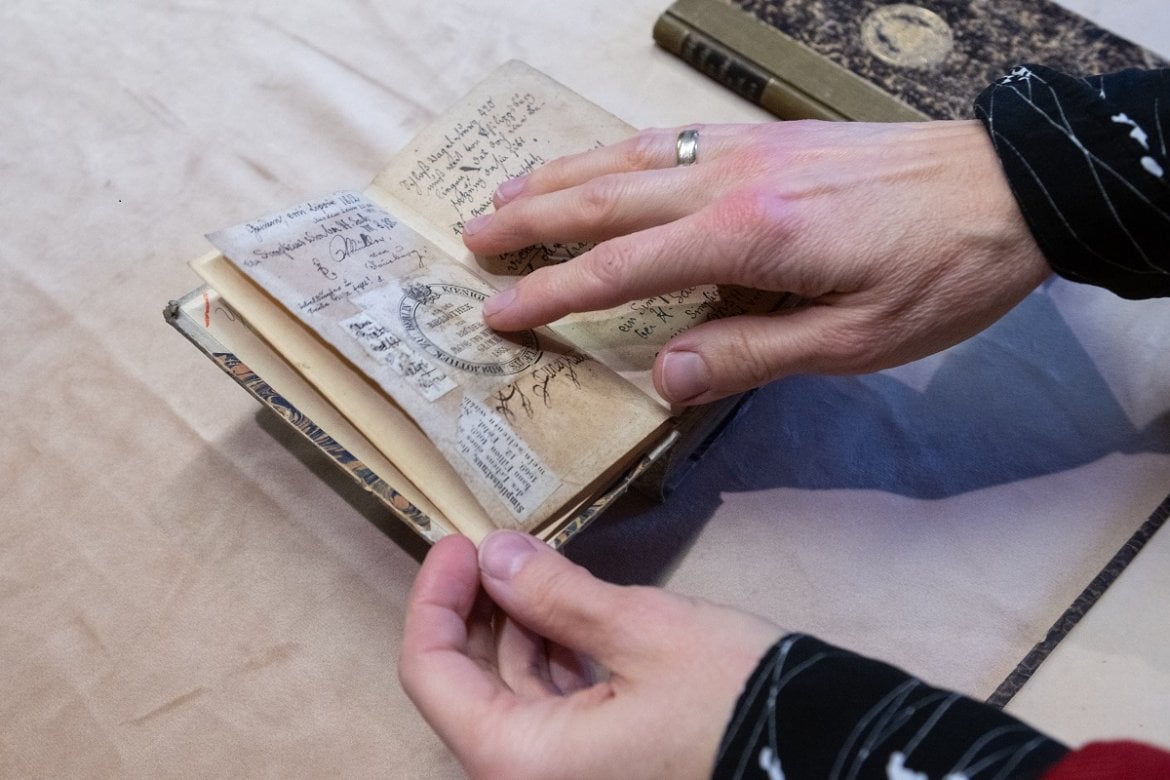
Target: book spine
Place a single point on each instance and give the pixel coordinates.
(771, 68)
(178, 314)
(739, 74)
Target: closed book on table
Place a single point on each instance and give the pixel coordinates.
(874, 61)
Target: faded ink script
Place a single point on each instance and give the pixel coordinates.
(507, 410)
(320, 257)
(501, 137)
(660, 318)
(492, 144)
(325, 251)
(387, 347)
(507, 130)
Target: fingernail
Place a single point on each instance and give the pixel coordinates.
(508, 190)
(684, 376)
(475, 225)
(499, 302)
(503, 553)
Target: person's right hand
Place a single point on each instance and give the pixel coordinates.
(904, 239)
(506, 690)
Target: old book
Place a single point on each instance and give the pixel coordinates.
(878, 61)
(357, 317)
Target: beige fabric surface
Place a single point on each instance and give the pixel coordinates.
(187, 589)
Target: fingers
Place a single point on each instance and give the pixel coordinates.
(725, 357)
(481, 634)
(718, 244)
(555, 598)
(646, 150)
(442, 598)
(523, 661)
(569, 671)
(435, 667)
(605, 192)
(605, 206)
(534, 668)
(651, 149)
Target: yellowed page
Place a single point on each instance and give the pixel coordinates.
(514, 121)
(236, 336)
(386, 426)
(526, 421)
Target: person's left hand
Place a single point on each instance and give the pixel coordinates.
(508, 695)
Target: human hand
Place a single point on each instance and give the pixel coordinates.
(904, 239)
(510, 701)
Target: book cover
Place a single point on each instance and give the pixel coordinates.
(880, 61)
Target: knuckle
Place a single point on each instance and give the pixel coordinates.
(546, 587)
(637, 600)
(751, 210)
(631, 609)
(551, 593)
(858, 344)
(750, 158)
(847, 347)
(645, 150)
(753, 363)
(599, 200)
(643, 605)
(608, 264)
(513, 226)
(760, 221)
(406, 674)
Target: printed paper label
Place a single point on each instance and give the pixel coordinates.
(488, 443)
(410, 364)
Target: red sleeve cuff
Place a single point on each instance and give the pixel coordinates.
(1103, 760)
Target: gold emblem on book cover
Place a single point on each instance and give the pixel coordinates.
(906, 35)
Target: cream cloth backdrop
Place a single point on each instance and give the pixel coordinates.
(186, 589)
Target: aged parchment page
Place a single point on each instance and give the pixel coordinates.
(229, 331)
(511, 123)
(387, 427)
(526, 421)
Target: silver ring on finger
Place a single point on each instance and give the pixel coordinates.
(687, 147)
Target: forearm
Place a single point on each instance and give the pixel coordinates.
(1087, 162)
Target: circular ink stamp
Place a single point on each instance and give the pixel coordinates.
(907, 35)
(446, 321)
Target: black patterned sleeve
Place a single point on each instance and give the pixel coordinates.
(811, 710)
(1087, 161)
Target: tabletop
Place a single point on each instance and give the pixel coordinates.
(187, 588)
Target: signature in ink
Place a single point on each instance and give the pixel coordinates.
(504, 399)
(342, 247)
(328, 273)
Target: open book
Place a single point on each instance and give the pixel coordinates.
(358, 316)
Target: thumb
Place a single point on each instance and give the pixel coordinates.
(723, 357)
(553, 597)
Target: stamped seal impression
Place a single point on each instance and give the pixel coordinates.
(907, 35)
(446, 321)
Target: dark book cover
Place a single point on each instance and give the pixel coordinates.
(931, 56)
